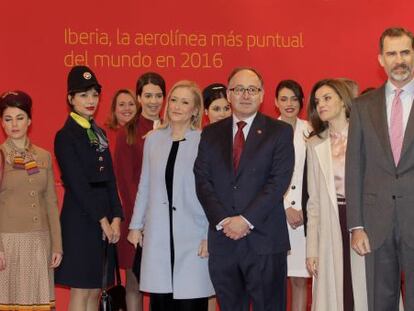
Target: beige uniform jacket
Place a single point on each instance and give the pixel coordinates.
(28, 202)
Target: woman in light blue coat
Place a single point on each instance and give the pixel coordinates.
(174, 267)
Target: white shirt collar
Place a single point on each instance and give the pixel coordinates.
(390, 88)
(249, 120)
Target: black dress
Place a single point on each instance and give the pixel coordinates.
(165, 302)
(90, 195)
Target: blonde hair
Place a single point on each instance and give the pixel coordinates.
(198, 104)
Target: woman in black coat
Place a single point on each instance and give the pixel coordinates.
(91, 208)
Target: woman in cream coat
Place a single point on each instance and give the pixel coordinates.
(327, 258)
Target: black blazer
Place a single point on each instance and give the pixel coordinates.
(87, 174)
(255, 191)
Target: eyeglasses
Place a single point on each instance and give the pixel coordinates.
(251, 90)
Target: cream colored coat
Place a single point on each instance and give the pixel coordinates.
(324, 239)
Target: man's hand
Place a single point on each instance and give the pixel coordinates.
(360, 242)
(235, 227)
(294, 217)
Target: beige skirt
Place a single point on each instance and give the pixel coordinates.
(27, 282)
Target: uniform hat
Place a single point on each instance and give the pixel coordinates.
(82, 78)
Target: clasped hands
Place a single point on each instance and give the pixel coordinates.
(294, 217)
(111, 231)
(235, 227)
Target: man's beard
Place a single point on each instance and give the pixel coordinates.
(403, 75)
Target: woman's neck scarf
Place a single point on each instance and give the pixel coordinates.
(96, 136)
(22, 158)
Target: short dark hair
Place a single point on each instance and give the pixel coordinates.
(238, 69)
(212, 92)
(150, 78)
(394, 32)
(294, 87)
(16, 99)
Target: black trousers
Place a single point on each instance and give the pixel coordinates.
(165, 302)
(243, 277)
(348, 291)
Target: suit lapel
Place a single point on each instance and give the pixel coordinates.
(254, 138)
(323, 152)
(227, 144)
(378, 114)
(409, 133)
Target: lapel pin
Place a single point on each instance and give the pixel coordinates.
(259, 132)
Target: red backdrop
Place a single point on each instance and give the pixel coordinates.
(201, 41)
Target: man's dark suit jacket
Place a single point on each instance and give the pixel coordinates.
(255, 191)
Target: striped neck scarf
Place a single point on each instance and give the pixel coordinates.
(22, 158)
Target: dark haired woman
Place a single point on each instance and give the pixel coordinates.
(91, 210)
(30, 238)
(150, 94)
(339, 273)
(216, 106)
(289, 102)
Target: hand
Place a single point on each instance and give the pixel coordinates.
(135, 237)
(116, 229)
(235, 227)
(2, 261)
(202, 249)
(360, 242)
(312, 265)
(107, 231)
(294, 217)
(56, 260)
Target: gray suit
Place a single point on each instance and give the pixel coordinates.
(380, 198)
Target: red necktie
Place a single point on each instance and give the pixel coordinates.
(238, 144)
(396, 126)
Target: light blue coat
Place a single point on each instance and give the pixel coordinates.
(190, 278)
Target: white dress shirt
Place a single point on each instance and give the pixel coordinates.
(406, 96)
(246, 128)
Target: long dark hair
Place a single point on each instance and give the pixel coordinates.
(143, 80)
(341, 90)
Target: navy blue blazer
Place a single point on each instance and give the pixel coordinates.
(90, 195)
(255, 191)
(86, 174)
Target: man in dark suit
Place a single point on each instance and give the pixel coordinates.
(243, 168)
(380, 176)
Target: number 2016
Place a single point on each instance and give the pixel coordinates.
(201, 60)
